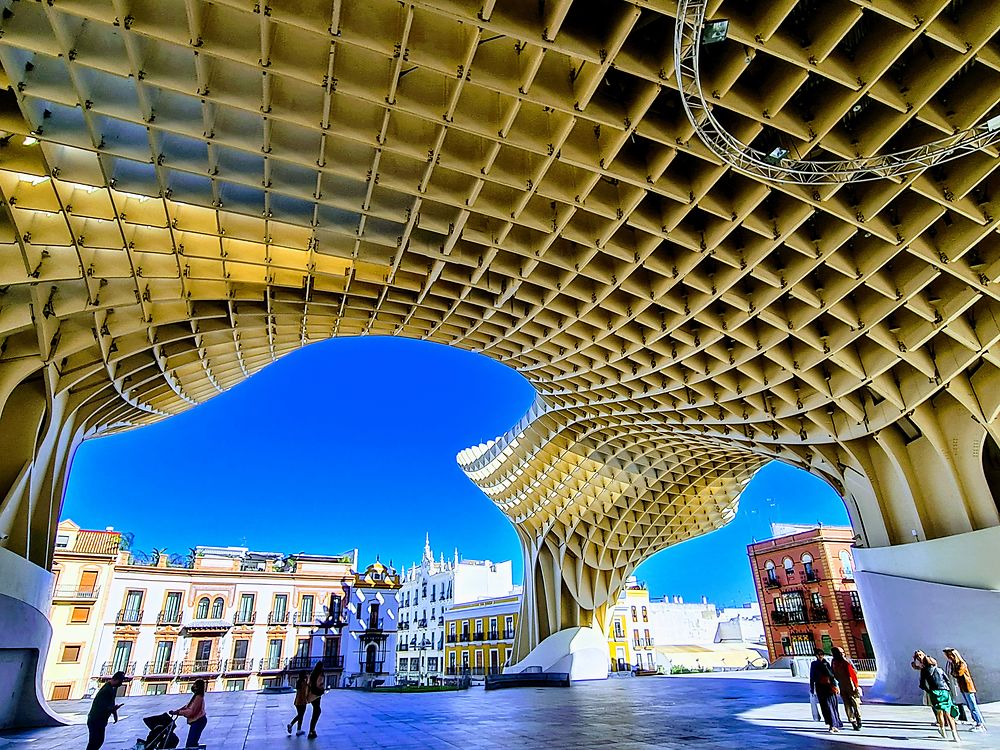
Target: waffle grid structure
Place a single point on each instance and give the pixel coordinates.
(194, 189)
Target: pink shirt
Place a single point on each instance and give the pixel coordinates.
(194, 710)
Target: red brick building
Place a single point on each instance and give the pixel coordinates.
(805, 584)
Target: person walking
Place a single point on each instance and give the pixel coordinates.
(194, 712)
(823, 684)
(850, 690)
(959, 670)
(102, 709)
(300, 703)
(934, 683)
(314, 693)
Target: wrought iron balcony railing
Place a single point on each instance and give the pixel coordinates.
(200, 666)
(75, 593)
(169, 617)
(245, 618)
(160, 668)
(277, 618)
(128, 617)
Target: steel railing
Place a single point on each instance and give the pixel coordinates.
(277, 618)
(110, 667)
(200, 666)
(76, 593)
(245, 618)
(156, 668)
(128, 617)
(168, 618)
(775, 166)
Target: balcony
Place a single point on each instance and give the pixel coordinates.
(160, 669)
(373, 667)
(75, 594)
(789, 617)
(441, 620)
(452, 638)
(110, 667)
(856, 612)
(128, 617)
(331, 663)
(236, 666)
(168, 618)
(451, 671)
(200, 667)
(772, 583)
(422, 623)
(493, 635)
(812, 576)
(277, 618)
(477, 671)
(404, 626)
(270, 664)
(245, 618)
(479, 635)
(819, 614)
(509, 635)
(464, 638)
(306, 617)
(403, 646)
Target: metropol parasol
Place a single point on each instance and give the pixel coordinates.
(711, 234)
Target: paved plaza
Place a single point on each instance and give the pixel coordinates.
(634, 714)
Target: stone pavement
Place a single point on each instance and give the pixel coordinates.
(621, 714)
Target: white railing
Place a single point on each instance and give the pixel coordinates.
(776, 167)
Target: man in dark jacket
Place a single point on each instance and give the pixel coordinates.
(102, 709)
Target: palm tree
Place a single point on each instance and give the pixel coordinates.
(156, 554)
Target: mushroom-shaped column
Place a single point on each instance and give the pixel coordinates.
(592, 496)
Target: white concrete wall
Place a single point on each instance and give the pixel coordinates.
(25, 633)
(931, 595)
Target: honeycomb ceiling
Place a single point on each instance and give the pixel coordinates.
(193, 189)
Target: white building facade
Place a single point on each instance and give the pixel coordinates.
(428, 591)
(371, 632)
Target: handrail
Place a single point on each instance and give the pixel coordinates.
(748, 160)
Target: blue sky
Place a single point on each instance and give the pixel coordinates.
(351, 443)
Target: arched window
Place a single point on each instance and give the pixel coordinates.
(807, 563)
(846, 564)
(335, 607)
(772, 574)
(217, 608)
(789, 565)
(635, 616)
(202, 612)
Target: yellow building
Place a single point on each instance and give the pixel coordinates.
(631, 643)
(84, 566)
(479, 635)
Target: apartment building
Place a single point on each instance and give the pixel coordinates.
(428, 591)
(480, 635)
(237, 618)
(805, 584)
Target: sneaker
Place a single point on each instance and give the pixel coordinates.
(833, 729)
(978, 728)
(312, 736)
(289, 730)
(300, 732)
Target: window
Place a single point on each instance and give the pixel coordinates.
(240, 648)
(132, 611)
(247, 613)
(203, 652)
(817, 600)
(164, 650)
(307, 608)
(79, 614)
(635, 615)
(70, 654)
(645, 615)
(373, 621)
(799, 644)
(123, 652)
(88, 583)
(274, 653)
(846, 564)
(789, 565)
(772, 574)
(62, 542)
(451, 629)
(336, 607)
(234, 685)
(619, 630)
(302, 648)
(218, 608)
(508, 626)
(280, 608)
(172, 607)
(156, 688)
(61, 692)
(202, 612)
(451, 659)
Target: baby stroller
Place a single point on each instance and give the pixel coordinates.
(161, 733)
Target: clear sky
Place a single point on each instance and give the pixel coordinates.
(351, 443)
